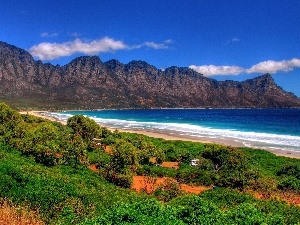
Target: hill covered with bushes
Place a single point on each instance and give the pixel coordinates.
(45, 166)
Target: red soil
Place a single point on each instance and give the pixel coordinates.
(149, 184)
(94, 168)
(108, 150)
(289, 197)
(173, 165)
(292, 199)
(194, 189)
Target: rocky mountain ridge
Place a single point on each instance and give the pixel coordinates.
(87, 82)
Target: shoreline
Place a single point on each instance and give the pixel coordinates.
(41, 115)
(172, 136)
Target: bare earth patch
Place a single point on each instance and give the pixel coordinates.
(14, 215)
(148, 184)
(94, 168)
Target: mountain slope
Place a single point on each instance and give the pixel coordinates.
(87, 82)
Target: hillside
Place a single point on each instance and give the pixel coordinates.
(45, 168)
(87, 82)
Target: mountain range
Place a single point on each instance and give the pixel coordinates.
(88, 83)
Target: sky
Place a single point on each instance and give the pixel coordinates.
(222, 39)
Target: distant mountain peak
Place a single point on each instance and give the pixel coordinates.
(267, 76)
(182, 70)
(139, 64)
(86, 59)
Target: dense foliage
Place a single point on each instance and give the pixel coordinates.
(44, 164)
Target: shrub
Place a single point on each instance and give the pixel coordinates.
(168, 190)
(196, 176)
(290, 169)
(289, 183)
(205, 164)
(121, 180)
(156, 171)
(245, 214)
(100, 158)
(47, 158)
(225, 198)
(195, 210)
(147, 212)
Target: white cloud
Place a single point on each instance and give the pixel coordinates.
(155, 45)
(271, 66)
(233, 40)
(50, 51)
(46, 34)
(212, 70)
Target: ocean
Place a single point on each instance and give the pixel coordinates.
(273, 129)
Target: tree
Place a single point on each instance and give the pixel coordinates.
(232, 165)
(124, 156)
(149, 150)
(205, 164)
(43, 143)
(9, 119)
(84, 127)
(104, 132)
(223, 156)
(75, 152)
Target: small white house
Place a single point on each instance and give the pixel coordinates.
(194, 162)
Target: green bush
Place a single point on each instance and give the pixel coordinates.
(245, 214)
(146, 212)
(157, 171)
(289, 183)
(290, 169)
(123, 180)
(194, 210)
(196, 176)
(100, 158)
(225, 198)
(167, 191)
(109, 140)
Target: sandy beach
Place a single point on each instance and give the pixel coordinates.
(167, 136)
(42, 115)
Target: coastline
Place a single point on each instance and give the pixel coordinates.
(41, 114)
(172, 136)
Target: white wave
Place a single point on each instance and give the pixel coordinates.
(250, 139)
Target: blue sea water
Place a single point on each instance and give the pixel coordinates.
(277, 129)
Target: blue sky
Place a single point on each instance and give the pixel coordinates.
(228, 39)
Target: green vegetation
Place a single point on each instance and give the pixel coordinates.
(44, 165)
